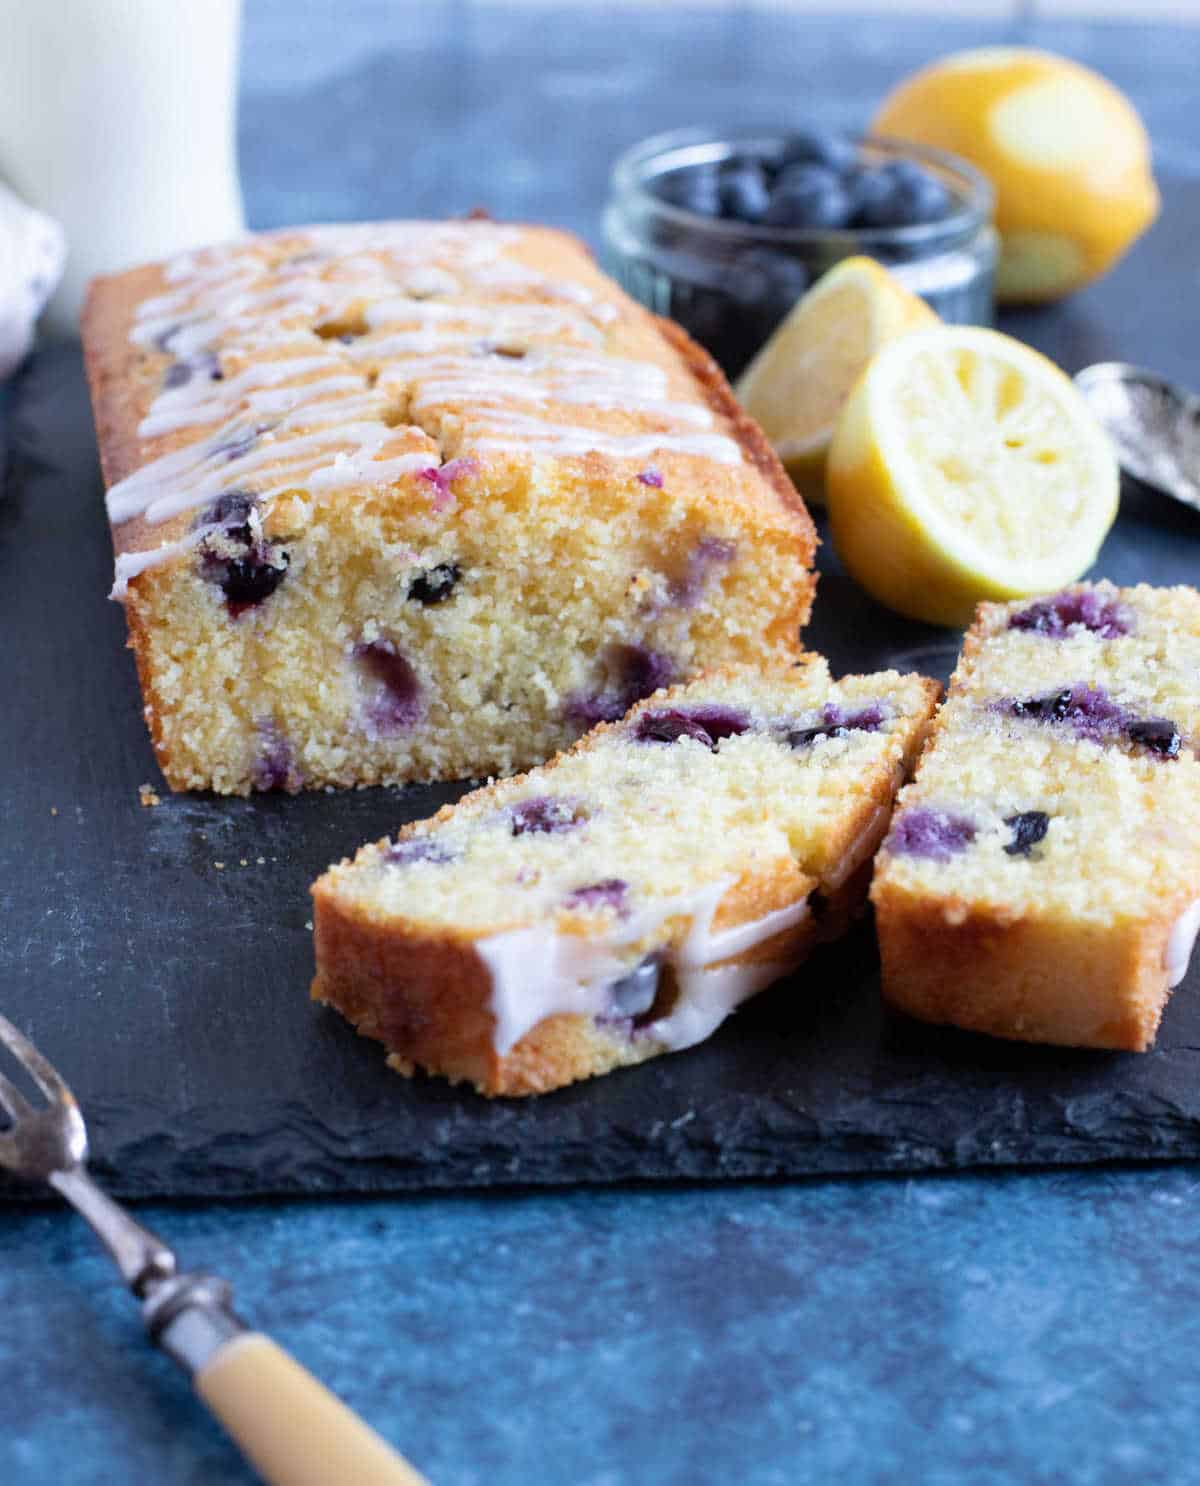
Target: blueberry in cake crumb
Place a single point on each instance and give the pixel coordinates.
(1085, 609)
(611, 892)
(707, 725)
(1050, 708)
(635, 672)
(398, 703)
(634, 994)
(936, 834)
(410, 849)
(868, 719)
(709, 553)
(1158, 734)
(1091, 714)
(247, 570)
(232, 511)
(652, 477)
(274, 766)
(1028, 828)
(836, 722)
(545, 815)
(642, 672)
(247, 581)
(435, 585)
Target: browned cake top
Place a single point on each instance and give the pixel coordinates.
(328, 360)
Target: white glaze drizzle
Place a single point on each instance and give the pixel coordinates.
(204, 401)
(538, 972)
(1180, 942)
(227, 301)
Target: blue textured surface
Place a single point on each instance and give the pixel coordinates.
(1028, 1328)
(1031, 1328)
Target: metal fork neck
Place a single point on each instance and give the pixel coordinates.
(189, 1315)
(140, 1255)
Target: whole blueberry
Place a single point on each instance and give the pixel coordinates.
(919, 196)
(900, 193)
(247, 581)
(836, 152)
(808, 196)
(1028, 828)
(434, 585)
(765, 277)
(1158, 734)
(743, 192)
(872, 192)
(231, 510)
(695, 190)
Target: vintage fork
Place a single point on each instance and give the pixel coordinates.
(293, 1430)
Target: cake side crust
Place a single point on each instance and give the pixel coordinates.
(1027, 979)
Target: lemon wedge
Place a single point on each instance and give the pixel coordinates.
(965, 466)
(795, 387)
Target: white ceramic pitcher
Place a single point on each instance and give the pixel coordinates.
(118, 118)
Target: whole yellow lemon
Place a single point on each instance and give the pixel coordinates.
(1065, 151)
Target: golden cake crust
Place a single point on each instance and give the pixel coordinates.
(123, 379)
(1027, 979)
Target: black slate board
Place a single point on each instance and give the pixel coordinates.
(173, 994)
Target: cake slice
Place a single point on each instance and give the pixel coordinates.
(619, 902)
(1041, 880)
(416, 500)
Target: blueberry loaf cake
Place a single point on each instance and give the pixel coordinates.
(620, 901)
(419, 500)
(1041, 879)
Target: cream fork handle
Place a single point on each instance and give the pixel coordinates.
(290, 1427)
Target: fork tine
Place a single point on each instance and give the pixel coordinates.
(12, 1101)
(43, 1073)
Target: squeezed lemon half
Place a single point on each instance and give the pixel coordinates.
(796, 386)
(966, 466)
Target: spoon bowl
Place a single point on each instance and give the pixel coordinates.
(1153, 423)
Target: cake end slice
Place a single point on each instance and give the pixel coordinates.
(1041, 880)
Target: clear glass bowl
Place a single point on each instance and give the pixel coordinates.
(729, 283)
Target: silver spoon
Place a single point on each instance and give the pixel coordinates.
(1154, 424)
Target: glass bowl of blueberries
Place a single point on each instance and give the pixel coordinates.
(723, 233)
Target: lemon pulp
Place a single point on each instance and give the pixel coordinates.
(796, 386)
(966, 466)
